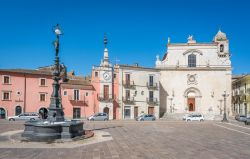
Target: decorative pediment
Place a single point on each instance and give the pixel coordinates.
(193, 51)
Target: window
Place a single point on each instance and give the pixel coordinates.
(127, 94)
(76, 94)
(151, 80)
(245, 86)
(151, 96)
(6, 96)
(142, 93)
(6, 79)
(86, 94)
(76, 113)
(221, 48)
(18, 110)
(106, 91)
(192, 60)
(42, 97)
(65, 93)
(114, 75)
(42, 82)
(96, 74)
(127, 78)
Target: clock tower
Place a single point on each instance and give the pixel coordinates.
(102, 77)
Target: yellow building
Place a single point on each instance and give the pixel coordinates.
(241, 95)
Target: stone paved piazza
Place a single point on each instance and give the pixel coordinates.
(147, 140)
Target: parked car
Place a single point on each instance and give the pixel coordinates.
(185, 116)
(25, 116)
(241, 118)
(146, 117)
(195, 117)
(99, 117)
(247, 121)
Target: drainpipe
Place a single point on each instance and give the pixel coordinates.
(24, 104)
(122, 96)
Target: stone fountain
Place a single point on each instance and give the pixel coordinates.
(55, 126)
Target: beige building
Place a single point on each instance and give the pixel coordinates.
(241, 95)
(194, 76)
(138, 91)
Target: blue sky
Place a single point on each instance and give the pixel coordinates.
(137, 30)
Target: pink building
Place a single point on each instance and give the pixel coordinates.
(122, 91)
(25, 90)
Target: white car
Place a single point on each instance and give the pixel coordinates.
(25, 116)
(195, 117)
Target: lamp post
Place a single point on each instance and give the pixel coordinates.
(171, 106)
(225, 95)
(220, 106)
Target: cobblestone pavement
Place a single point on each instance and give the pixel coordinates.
(149, 140)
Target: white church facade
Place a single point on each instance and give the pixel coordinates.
(194, 76)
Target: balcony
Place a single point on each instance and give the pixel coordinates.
(80, 101)
(153, 86)
(242, 92)
(152, 101)
(129, 84)
(248, 91)
(106, 99)
(128, 100)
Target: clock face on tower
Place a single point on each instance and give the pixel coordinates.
(106, 76)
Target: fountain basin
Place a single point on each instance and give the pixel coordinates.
(44, 130)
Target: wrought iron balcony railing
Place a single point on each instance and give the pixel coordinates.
(79, 101)
(153, 85)
(129, 84)
(128, 100)
(105, 98)
(152, 101)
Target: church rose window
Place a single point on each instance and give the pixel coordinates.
(192, 60)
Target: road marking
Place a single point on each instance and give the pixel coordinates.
(238, 125)
(232, 129)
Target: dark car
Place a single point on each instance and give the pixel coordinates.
(241, 118)
(247, 122)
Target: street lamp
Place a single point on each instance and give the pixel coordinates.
(171, 106)
(55, 109)
(225, 95)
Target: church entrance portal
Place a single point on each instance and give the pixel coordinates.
(191, 104)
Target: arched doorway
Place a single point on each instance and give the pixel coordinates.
(192, 94)
(2, 113)
(43, 112)
(18, 110)
(106, 110)
(191, 106)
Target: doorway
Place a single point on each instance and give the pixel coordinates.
(135, 112)
(43, 112)
(76, 113)
(191, 104)
(127, 112)
(106, 110)
(151, 110)
(2, 113)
